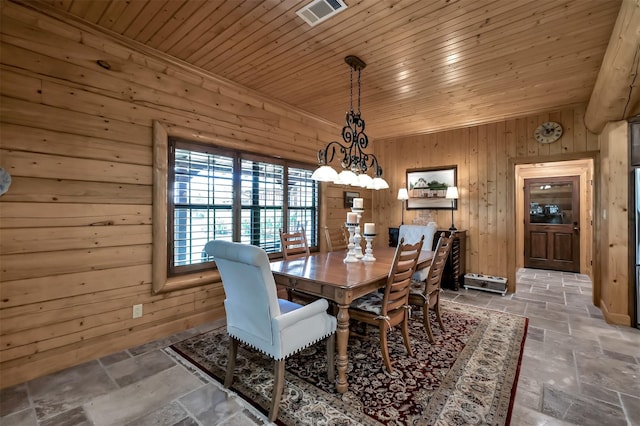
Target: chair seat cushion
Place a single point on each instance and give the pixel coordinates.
(371, 302)
(417, 287)
(287, 306)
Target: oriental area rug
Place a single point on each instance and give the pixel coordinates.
(467, 377)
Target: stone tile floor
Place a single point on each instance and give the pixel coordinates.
(576, 370)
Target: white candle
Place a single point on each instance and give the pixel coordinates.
(352, 218)
(358, 203)
(369, 228)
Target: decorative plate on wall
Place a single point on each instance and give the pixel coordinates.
(5, 181)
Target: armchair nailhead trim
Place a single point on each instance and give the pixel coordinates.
(285, 356)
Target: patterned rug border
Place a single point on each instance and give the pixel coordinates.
(461, 386)
(449, 386)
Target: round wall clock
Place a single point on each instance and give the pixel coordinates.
(548, 132)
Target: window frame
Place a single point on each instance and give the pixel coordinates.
(161, 281)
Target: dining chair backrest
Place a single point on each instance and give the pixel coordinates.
(438, 263)
(396, 292)
(294, 244)
(245, 270)
(337, 238)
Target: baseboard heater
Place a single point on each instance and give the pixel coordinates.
(486, 283)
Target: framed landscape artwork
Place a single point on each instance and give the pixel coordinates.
(427, 187)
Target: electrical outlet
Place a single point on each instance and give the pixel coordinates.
(137, 311)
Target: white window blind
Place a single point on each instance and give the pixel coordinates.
(204, 203)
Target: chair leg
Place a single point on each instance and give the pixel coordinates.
(405, 334)
(331, 353)
(278, 386)
(385, 347)
(231, 361)
(427, 323)
(437, 309)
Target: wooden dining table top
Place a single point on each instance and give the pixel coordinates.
(329, 268)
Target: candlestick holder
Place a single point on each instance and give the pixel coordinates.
(356, 237)
(351, 254)
(368, 257)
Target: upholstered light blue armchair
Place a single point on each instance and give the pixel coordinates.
(256, 317)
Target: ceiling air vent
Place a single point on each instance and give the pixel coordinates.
(320, 10)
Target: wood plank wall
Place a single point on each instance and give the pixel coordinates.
(614, 224)
(75, 243)
(482, 154)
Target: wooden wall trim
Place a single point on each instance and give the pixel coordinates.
(582, 167)
(162, 283)
(612, 317)
(514, 238)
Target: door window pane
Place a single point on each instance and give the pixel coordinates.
(551, 203)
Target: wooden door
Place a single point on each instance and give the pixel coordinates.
(552, 227)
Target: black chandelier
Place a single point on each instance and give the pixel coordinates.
(355, 162)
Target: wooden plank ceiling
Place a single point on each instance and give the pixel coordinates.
(431, 65)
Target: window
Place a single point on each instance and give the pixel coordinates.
(216, 193)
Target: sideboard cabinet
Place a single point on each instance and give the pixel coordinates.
(455, 268)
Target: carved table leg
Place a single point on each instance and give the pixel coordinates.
(342, 334)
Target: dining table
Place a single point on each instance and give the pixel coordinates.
(326, 275)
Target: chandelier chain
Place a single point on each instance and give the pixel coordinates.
(358, 91)
(350, 89)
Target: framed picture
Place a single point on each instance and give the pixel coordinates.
(427, 187)
(348, 198)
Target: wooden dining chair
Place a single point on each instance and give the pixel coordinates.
(391, 308)
(337, 238)
(426, 294)
(294, 244)
(278, 328)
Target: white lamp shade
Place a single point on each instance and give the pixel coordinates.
(379, 183)
(452, 193)
(403, 194)
(346, 177)
(324, 174)
(364, 180)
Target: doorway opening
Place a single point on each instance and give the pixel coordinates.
(582, 171)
